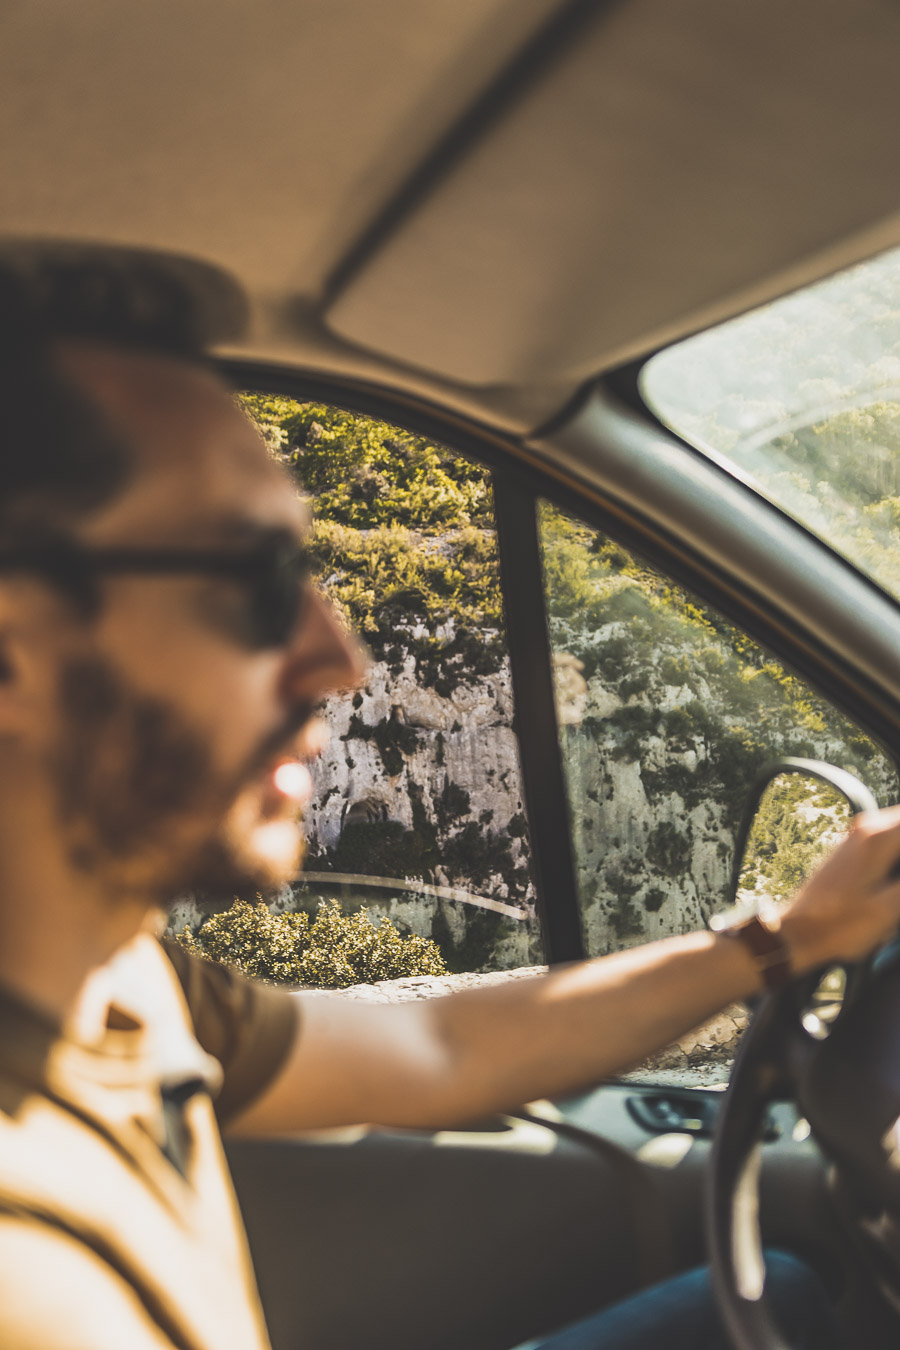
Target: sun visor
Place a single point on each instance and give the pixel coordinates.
(675, 163)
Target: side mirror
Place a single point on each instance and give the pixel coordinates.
(799, 810)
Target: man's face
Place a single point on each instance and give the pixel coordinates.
(173, 748)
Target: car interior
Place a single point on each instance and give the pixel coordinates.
(530, 233)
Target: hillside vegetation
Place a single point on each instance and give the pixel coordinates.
(402, 536)
(643, 636)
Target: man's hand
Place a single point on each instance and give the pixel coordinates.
(446, 1060)
(852, 903)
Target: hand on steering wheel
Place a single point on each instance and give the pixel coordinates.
(847, 1085)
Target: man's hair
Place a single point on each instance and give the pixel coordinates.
(58, 457)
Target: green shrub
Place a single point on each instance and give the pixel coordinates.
(402, 536)
(363, 472)
(332, 951)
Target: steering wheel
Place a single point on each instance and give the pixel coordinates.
(847, 1086)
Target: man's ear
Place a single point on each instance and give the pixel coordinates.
(10, 678)
(29, 629)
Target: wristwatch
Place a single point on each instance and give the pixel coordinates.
(770, 952)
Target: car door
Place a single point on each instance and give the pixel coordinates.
(640, 704)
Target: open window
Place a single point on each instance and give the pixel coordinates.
(418, 816)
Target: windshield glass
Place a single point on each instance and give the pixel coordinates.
(803, 396)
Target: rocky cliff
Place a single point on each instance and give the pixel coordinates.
(419, 783)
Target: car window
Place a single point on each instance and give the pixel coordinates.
(666, 714)
(418, 815)
(803, 397)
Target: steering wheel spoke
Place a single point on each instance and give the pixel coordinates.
(774, 1053)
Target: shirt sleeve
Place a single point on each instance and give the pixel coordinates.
(249, 1028)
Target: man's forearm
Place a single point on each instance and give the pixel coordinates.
(585, 1022)
(446, 1060)
(579, 1024)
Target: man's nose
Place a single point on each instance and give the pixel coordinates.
(323, 655)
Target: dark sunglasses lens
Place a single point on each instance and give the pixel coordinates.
(281, 589)
(67, 567)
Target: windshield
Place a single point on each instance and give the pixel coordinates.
(803, 396)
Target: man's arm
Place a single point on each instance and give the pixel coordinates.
(447, 1060)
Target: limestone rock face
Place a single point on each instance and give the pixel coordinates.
(465, 738)
(437, 776)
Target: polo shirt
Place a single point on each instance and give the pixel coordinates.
(119, 1228)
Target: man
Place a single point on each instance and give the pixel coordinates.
(161, 654)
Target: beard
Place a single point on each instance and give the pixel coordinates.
(143, 806)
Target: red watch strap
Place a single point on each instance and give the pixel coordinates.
(768, 949)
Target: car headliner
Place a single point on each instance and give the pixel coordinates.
(483, 202)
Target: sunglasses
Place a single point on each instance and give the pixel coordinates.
(275, 574)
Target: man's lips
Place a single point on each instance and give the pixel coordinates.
(280, 769)
(290, 776)
(293, 780)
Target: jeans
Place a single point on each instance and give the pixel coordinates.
(681, 1314)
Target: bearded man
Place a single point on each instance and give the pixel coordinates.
(162, 649)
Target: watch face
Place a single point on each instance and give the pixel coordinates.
(731, 917)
